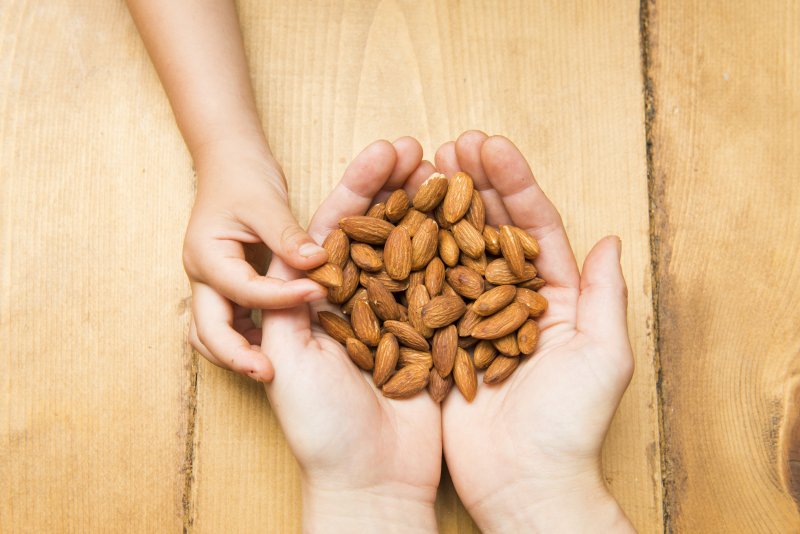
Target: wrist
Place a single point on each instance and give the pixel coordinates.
(248, 145)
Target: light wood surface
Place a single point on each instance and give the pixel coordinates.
(726, 138)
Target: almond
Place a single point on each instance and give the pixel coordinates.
(412, 220)
(530, 246)
(476, 214)
(469, 240)
(386, 357)
(442, 311)
(501, 323)
(381, 300)
(415, 357)
(359, 353)
(500, 369)
(458, 198)
(416, 278)
(338, 246)
(439, 387)
(528, 337)
(419, 298)
(397, 254)
(336, 327)
(467, 342)
(434, 276)
(397, 205)
(465, 282)
(534, 284)
(392, 285)
(448, 291)
(492, 239)
(360, 294)
(365, 323)
(340, 295)
(443, 349)
(403, 313)
(431, 192)
(499, 273)
(468, 322)
(438, 215)
(406, 382)
(406, 335)
(448, 248)
(494, 300)
(424, 244)
(507, 345)
(464, 375)
(512, 251)
(484, 353)
(327, 274)
(377, 211)
(366, 257)
(478, 265)
(532, 300)
(366, 229)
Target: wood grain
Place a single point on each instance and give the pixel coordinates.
(726, 168)
(95, 189)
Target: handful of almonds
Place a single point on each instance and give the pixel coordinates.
(423, 281)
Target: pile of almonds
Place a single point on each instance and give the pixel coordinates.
(423, 281)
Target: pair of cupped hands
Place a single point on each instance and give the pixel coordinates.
(523, 456)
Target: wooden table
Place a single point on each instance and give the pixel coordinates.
(675, 125)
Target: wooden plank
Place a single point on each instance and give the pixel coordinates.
(561, 79)
(95, 190)
(726, 155)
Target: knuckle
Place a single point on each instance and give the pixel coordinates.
(291, 235)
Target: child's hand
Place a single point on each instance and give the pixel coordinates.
(242, 205)
(369, 463)
(525, 455)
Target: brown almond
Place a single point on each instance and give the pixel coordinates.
(492, 239)
(534, 284)
(532, 300)
(448, 291)
(366, 257)
(416, 278)
(434, 276)
(392, 285)
(412, 220)
(512, 250)
(406, 382)
(424, 244)
(467, 342)
(397, 254)
(499, 273)
(338, 246)
(458, 198)
(507, 345)
(438, 215)
(418, 299)
(500, 369)
(365, 323)
(476, 214)
(465, 282)
(478, 265)
(431, 192)
(448, 248)
(407, 335)
(494, 300)
(360, 294)
(386, 357)
(442, 311)
(336, 327)
(464, 375)
(530, 246)
(327, 274)
(341, 294)
(469, 240)
(468, 321)
(381, 300)
(415, 357)
(439, 387)
(397, 205)
(528, 337)
(501, 323)
(366, 229)
(403, 313)
(377, 211)
(484, 353)
(359, 353)
(443, 349)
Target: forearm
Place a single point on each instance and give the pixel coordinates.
(196, 47)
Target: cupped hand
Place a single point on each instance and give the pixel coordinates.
(525, 454)
(368, 462)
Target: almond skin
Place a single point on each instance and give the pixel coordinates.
(360, 294)
(512, 251)
(528, 337)
(507, 345)
(381, 300)
(530, 246)
(469, 240)
(467, 342)
(491, 237)
(377, 211)
(465, 282)
(327, 274)
(468, 321)
(431, 192)
(359, 353)
(448, 248)
(365, 324)
(484, 353)
(397, 205)
(500, 369)
(419, 298)
(443, 349)
(434, 277)
(366, 257)
(494, 300)
(424, 244)
(464, 375)
(416, 278)
(406, 335)
(406, 382)
(442, 311)
(392, 285)
(412, 220)
(458, 198)
(439, 387)
(438, 215)
(498, 272)
(397, 254)
(386, 357)
(366, 229)
(341, 294)
(501, 323)
(478, 265)
(415, 357)
(338, 246)
(336, 327)
(476, 214)
(534, 284)
(532, 300)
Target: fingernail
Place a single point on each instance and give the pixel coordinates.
(310, 249)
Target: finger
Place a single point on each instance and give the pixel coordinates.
(420, 174)
(213, 316)
(197, 345)
(364, 177)
(531, 210)
(468, 152)
(287, 331)
(446, 159)
(409, 155)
